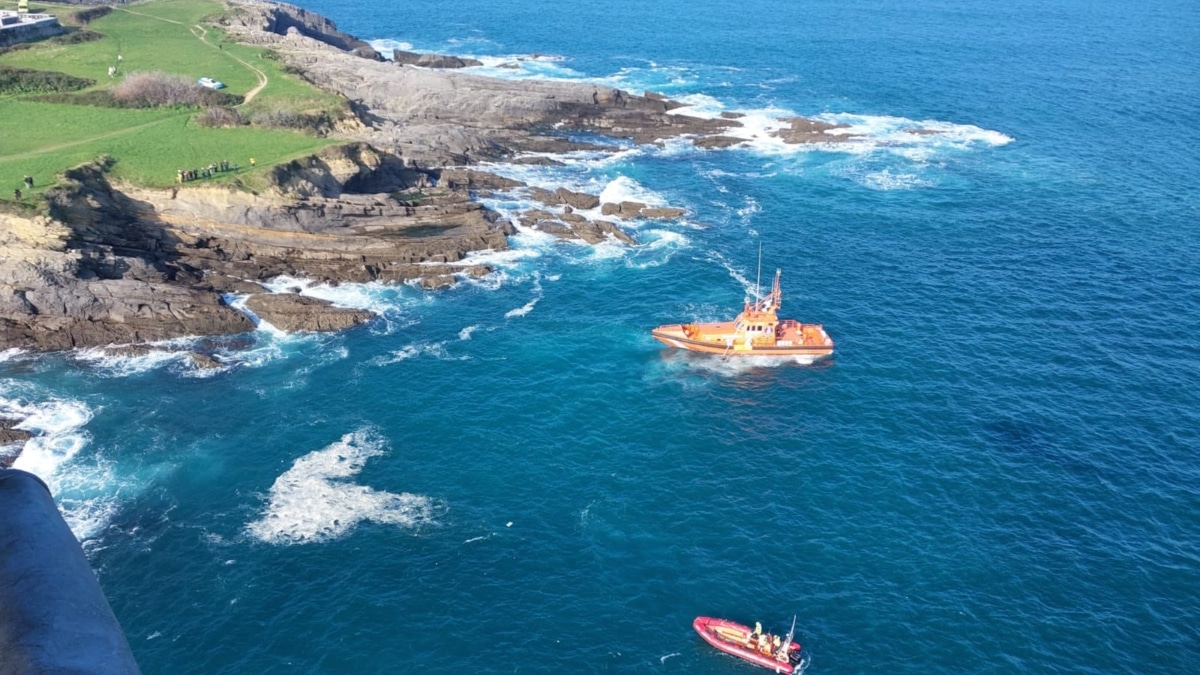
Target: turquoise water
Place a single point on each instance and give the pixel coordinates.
(996, 471)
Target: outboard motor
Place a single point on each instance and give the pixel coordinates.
(53, 616)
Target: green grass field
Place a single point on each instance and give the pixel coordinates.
(44, 139)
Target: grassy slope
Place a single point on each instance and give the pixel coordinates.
(149, 145)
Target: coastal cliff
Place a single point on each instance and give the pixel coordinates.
(107, 263)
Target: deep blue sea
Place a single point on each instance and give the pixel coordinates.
(998, 471)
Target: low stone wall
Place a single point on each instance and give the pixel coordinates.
(26, 32)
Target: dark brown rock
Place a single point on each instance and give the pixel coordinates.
(10, 435)
(294, 313)
(717, 142)
(662, 213)
(804, 130)
(432, 60)
(578, 200)
(204, 361)
(472, 179)
(624, 209)
(437, 281)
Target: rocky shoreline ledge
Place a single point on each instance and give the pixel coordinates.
(114, 264)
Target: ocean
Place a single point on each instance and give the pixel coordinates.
(997, 471)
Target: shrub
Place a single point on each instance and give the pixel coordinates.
(157, 89)
(86, 16)
(219, 116)
(315, 123)
(25, 81)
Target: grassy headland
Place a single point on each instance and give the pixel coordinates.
(44, 135)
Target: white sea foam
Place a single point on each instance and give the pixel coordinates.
(465, 334)
(314, 501)
(10, 354)
(373, 296)
(57, 426)
(86, 490)
(529, 67)
(528, 307)
(119, 365)
(434, 350)
(737, 275)
(732, 367)
(888, 180)
(388, 47)
(510, 257)
(625, 189)
(902, 131)
(917, 140)
(699, 105)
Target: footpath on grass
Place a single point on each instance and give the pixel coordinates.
(201, 34)
(55, 132)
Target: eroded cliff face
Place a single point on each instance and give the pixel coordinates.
(136, 265)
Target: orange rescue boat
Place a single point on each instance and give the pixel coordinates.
(753, 645)
(757, 331)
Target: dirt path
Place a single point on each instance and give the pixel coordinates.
(201, 34)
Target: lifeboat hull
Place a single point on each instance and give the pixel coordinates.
(674, 335)
(734, 639)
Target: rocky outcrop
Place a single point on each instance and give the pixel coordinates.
(717, 142)
(804, 130)
(577, 200)
(469, 179)
(9, 435)
(11, 442)
(401, 58)
(294, 313)
(640, 210)
(282, 19)
(569, 225)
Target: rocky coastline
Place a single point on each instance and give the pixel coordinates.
(395, 202)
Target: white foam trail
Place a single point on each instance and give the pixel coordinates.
(885, 180)
(528, 307)
(435, 350)
(465, 334)
(735, 273)
(314, 501)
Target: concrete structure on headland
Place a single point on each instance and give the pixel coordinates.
(25, 26)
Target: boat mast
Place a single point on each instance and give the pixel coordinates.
(758, 280)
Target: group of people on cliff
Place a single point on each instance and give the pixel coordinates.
(185, 175)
